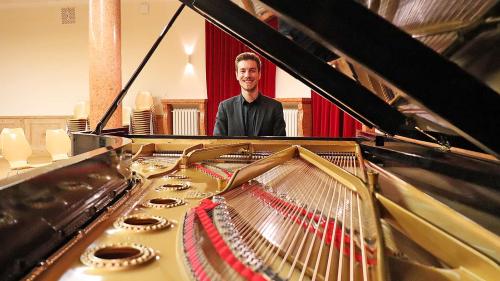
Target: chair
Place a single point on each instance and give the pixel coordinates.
(143, 118)
(81, 110)
(58, 144)
(15, 148)
(143, 101)
(5, 131)
(80, 120)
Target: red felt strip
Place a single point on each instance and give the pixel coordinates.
(207, 171)
(223, 250)
(191, 253)
(287, 208)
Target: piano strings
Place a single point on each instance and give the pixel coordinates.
(303, 230)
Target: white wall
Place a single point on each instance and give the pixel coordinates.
(43, 63)
(289, 87)
(165, 75)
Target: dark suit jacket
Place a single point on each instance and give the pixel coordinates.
(269, 119)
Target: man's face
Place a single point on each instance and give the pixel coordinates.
(248, 75)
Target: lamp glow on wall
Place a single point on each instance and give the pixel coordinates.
(189, 69)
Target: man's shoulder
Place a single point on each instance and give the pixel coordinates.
(230, 102)
(231, 99)
(270, 101)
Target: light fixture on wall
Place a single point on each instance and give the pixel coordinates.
(144, 8)
(189, 66)
(189, 49)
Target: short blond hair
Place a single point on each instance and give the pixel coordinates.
(247, 56)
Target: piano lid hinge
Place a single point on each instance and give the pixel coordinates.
(444, 144)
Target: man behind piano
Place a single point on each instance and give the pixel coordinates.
(250, 113)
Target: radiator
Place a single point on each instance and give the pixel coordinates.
(185, 121)
(291, 120)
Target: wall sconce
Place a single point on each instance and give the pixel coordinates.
(189, 50)
(189, 66)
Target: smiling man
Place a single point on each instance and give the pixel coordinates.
(250, 113)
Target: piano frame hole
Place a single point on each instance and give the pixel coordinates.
(173, 186)
(113, 253)
(168, 202)
(143, 223)
(117, 256)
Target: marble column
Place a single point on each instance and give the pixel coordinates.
(104, 59)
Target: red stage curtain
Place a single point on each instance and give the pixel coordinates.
(329, 121)
(221, 50)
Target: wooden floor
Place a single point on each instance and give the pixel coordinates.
(36, 159)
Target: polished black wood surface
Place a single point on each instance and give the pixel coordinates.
(469, 185)
(467, 104)
(42, 209)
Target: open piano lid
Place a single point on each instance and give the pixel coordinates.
(425, 91)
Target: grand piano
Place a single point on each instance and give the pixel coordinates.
(416, 200)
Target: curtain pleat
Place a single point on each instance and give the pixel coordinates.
(329, 121)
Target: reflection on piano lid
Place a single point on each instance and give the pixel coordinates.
(421, 76)
(208, 208)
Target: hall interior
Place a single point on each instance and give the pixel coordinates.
(46, 68)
